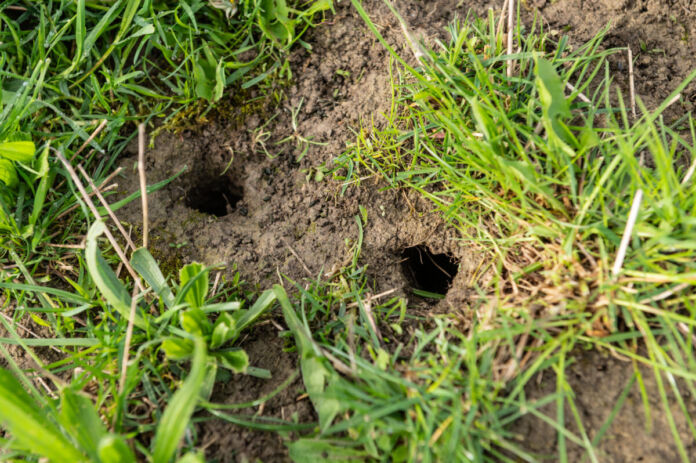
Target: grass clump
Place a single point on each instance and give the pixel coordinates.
(75, 76)
(540, 168)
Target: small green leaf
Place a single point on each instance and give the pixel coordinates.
(106, 280)
(22, 151)
(143, 263)
(275, 22)
(193, 281)
(113, 449)
(195, 321)
(554, 104)
(205, 79)
(79, 417)
(236, 360)
(223, 331)
(209, 381)
(29, 424)
(8, 173)
(181, 406)
(219, 81)
(177, 349)
(315, 374)
(262, 304)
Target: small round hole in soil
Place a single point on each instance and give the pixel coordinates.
(427, 271)
(217, 197)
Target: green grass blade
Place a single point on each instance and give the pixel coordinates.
(30, 426)
(181, 406)
(109, 285)
(143, 263)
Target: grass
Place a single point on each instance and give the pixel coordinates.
(542, 178)
(539, 178)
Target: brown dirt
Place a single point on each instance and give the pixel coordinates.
(598, 380)
(275, 219)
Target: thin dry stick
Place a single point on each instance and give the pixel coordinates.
(665, 294)
(631, 82)
(102, 187)
(371, 320)
(143, 184)
(134, 299)
(89, 140)
(372, 298)
(689, 173)
(511, 22)
(499, 29)
(299, 259)
(102, 200)
(66, 246)
(581, 95)
(94, 210)
(215, 284)
(628, 231)
(129, 336)
(113, 186)
(685, 329)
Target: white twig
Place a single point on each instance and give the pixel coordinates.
(665, 294)
(299, 259)
(372, 298)
(93, 208)
(673, 100)
(632, 84)
(143, 183)
(689, 173)
(111, 214)
(499, 29)
(685, 329)
(127, 343)
(102, 187)
(628, 231)
(90, 139)
(581, 95)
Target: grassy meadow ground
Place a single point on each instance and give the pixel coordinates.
(281, 230)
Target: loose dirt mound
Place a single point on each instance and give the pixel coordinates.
(245, 200)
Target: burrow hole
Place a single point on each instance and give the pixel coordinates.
(427, 271)
(217, 197)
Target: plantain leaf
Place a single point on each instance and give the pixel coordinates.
(22, 151)
(236, 360)
(554, 104)
(8, 173)
(193, 284)
(30, 425)
(223, 331)
(177, 349)
(146, 266)
(195, 321)
(181, 406)
(106, 280)
(315, 374)
(113, 449)
(79, 417)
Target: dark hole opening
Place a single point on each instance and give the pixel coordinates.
(427, 271)
(218, 197)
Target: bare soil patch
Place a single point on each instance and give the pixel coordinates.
(246, 200)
